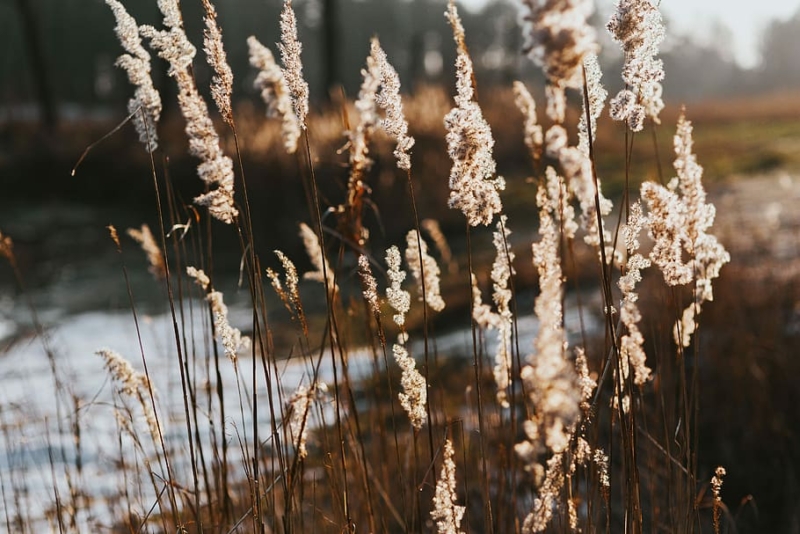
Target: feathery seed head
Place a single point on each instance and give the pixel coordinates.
(666, 222)
(555, 141)
(323, 272)
(474, 187)
(533, 130)
(504, 318)
(388, 99)
(586, 383)
(419, 260)
(215, 168)
(398, 298)
(200, 277)
(291, 48)
(231, 338)
(558, 37)
(146, 102)
(637, 26)
(133, 384)
(300, 407)
(550, 380)
(414, 396)
(222, 82)
(172, 13)
(678, 220)
(369, 285)
(597, 99)
(144, 237)
(367, 108)
(446, 512)
(275, 92)
(556, 99)
(292, 279)
(716, 491)
(482, 313)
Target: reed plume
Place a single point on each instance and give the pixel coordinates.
(322, 272)
(558, 36)
(631, 344)
(155, 257)
(414, 397)
(388, 99)
(230, 338)
(534, 138)
(474, 186)
(369, 289)
(398, 298)
(132, 384)
(446, 512)
(222, 81)
(716, 491)
(291, 47)
(145, 106)
(215, 169)
(275, 92)
(502, 319)
(637, 26)
(424, 263)
(550, 379)
(678, 220)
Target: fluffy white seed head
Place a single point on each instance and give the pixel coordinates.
(275, 92)
(474, 186)
(398, 298)
(155, 258)
(322, 273)
(200, 277)
(637, 26)
(414, 396)
(424, 267)
(222, 81)
(446, 512)
(369, 285)
(135, 385)
(597, 99)
(678, 221)
(558, 37)
(502, 271)
(291, 48)
(146, 102)
(534, 139)
(216, 169)
(388, 99)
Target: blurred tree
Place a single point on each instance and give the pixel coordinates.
(780, 61)
(331, 44)
(41, 73)
(696, 70)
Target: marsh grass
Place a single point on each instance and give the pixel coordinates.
(306, 427)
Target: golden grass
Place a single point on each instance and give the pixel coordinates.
(367, 469)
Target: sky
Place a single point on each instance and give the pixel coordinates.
(745, 18)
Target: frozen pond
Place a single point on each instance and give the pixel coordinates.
(31, 413)
(82, 300)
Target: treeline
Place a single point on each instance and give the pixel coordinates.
(77, 48)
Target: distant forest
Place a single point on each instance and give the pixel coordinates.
(63, 51)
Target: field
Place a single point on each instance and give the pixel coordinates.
(260, 357)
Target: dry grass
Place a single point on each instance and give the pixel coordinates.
(299, 427)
